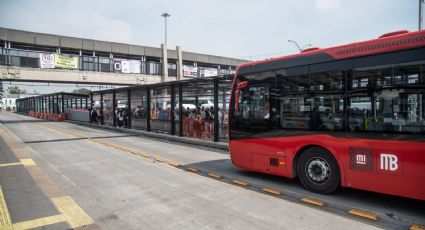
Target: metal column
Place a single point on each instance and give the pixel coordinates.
(173, 102)
(216, 121)
(129, 108)
(148, 108)
(102, 122)
(180, 110)
(114, 106)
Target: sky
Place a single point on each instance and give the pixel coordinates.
(245, 29)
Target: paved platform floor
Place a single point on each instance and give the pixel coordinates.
(68, 176)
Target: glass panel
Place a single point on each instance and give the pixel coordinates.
(223, 105)
(108, 111)
(122, 109)
(160, 110)
(198, 112)
(390, 102)
(139, 109)
(96, 106)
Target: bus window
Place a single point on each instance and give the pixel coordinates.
(391, 103)
(251, 113)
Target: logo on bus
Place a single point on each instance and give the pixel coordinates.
(388, 162)
(361, 159)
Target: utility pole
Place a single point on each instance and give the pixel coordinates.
(421, 2)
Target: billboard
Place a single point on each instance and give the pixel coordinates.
(194, 71)
(190, 71)
(50, 61)
(62, 61)
(208, 72)
(126, 66)
(47, 61)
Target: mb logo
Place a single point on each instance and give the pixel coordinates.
(389, 162)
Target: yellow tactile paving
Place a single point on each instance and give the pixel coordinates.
(27, 162)
(74, 215)
(37, 223)
(5, 221)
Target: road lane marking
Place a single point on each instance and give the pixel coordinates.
(240, 182)
(192, 169)
(272, 191)
(5, 221)
(10, 164)
(74, 215)
(364, 214)
(214, 175)
(159, 159)
(174, 164)
(37, 223)
(313, 202)
(416, 227)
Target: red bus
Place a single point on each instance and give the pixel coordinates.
(350, 116)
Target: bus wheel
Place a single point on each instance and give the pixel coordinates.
(318, 171)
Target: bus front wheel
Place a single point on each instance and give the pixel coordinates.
(318, 171)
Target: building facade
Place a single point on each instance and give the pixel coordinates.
(31, 56)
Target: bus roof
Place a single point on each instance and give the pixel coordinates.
(399, 40)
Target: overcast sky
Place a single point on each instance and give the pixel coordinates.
(247, 29)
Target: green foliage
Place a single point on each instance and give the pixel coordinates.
(16, 90)
(82, 91)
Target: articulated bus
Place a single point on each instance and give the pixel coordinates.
(350, 116)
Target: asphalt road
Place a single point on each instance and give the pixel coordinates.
(119, 190)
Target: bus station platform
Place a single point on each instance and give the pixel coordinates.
(63, 175)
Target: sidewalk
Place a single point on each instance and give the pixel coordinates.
(28, 197)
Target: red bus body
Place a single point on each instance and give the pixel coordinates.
(393, 166)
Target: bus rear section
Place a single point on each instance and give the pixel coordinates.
(354, 122)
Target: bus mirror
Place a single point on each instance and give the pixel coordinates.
(240, 86)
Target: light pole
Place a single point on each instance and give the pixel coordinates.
(165, 15)
(421, 2)
(301, 49)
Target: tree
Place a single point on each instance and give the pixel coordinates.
(82, 91)
(16, 90)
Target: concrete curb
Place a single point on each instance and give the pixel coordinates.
(210, 144)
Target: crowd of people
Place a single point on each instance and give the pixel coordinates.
(121, 116)
(197, 122)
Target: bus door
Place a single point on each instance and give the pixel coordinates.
(256, 123)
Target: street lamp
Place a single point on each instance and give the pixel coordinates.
(301, 49)
(165, 15)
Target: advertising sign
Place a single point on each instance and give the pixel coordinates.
(190, 71)
(130, 66)
(126, 66)
(62, 61)
(208, 72)
(47, 61)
